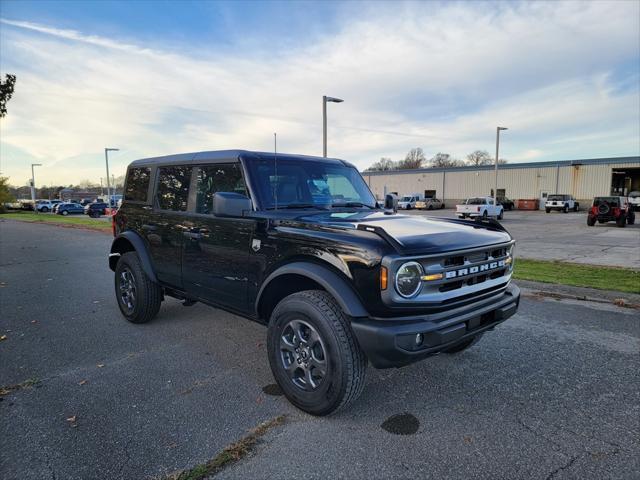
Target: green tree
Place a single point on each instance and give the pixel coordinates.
(6, 91)
(5, 194)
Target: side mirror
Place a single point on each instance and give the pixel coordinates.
(230, 204)
(391, 202)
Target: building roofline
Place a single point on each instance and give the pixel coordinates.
(507, 166)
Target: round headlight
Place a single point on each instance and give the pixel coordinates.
(408, 280)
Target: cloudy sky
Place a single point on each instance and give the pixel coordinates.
(155, 78)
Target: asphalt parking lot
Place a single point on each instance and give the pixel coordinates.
(566, 236)
(552, 393)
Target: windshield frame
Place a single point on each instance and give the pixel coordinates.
(261, 204)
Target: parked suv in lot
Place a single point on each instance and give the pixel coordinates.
(563, 203)
(611, 209)
(300, 244)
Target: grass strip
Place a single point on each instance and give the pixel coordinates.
(230, 455)
(578, 275)
(19, 386)
(65, 221)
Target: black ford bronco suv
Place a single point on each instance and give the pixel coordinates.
(299, 244)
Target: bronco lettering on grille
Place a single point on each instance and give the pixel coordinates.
(485, 267)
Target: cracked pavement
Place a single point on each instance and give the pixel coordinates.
(550, 394)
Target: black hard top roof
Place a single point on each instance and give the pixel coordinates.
(228, 155)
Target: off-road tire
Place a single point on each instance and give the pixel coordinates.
(565, 209)
(621, 221)
(345, 362)
(463, 346)
(631, 218)
(148, 293)
(591, 221)
(501, 215)
(548, 210)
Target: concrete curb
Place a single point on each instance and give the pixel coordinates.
(621, 299)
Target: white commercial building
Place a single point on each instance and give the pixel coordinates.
(584, 179)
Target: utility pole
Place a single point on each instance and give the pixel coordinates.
(33, 185)
(326, 99)
(495, 192)
(106, 158)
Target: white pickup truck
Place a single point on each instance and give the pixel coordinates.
(480, 207)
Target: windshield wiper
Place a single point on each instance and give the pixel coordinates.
(351, 204)
(298, 205)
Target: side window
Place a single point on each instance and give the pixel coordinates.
(217, 178)
(173, 188)
(137, 184)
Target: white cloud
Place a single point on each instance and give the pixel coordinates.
(428, 75)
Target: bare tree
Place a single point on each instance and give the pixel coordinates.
(444, 160)
(384, 164)
(414, 159)
(478, 158)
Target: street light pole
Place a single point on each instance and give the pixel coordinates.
(326, 99)
(495, 191)
(33, 186)
(106, 158)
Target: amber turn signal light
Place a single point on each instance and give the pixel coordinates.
(384, 278)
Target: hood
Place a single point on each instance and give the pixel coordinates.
(411, 234)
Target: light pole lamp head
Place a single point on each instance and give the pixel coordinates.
(36, 164)
(334, 99)
(111, 149)
(502, 128)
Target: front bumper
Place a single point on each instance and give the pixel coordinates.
(390, 342)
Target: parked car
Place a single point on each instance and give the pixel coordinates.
(611, 209)
(69, 209)
(506, 203)
(408, 202)
(480, 207)
(45, 206)
(634, 201)
(429, 204)
(562, 203)
(95, 209)
(337, 280)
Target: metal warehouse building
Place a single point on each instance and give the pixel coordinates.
(584, 179)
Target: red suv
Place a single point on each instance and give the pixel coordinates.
(611, 209)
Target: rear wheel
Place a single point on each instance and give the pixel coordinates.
(485, 215)
(430, 207)
(575, 207)
(65, 212)
(548, 210)
(565, 209)
(621, 221)
(138, 297)
(313, 354)
(591, 221)
(501, 215)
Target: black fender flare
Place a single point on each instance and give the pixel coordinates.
(140, 247)
(333, 283)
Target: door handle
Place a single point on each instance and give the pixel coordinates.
(147, 207)
(197, 234)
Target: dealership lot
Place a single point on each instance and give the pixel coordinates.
(566, 236)
(552, 393)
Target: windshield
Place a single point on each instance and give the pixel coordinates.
(407, 199)
(555, 197)
(307, 184)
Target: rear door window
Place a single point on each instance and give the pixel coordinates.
(217, 178)
(137, 184)
(173, 188)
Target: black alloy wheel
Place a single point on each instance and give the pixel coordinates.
(303, 355)
(128, 290)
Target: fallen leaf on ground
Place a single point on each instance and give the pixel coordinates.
(467, 439)
(34, 321)
(100, 365)
(71, 419)
(82, 382)
(3, 337)
(619, 302)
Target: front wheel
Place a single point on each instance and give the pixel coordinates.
(548, 210)
(44, 209)
(621, 221)
(631, 219)
(138, 297)
(313, 354)
(65, 212)
(576, 207)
